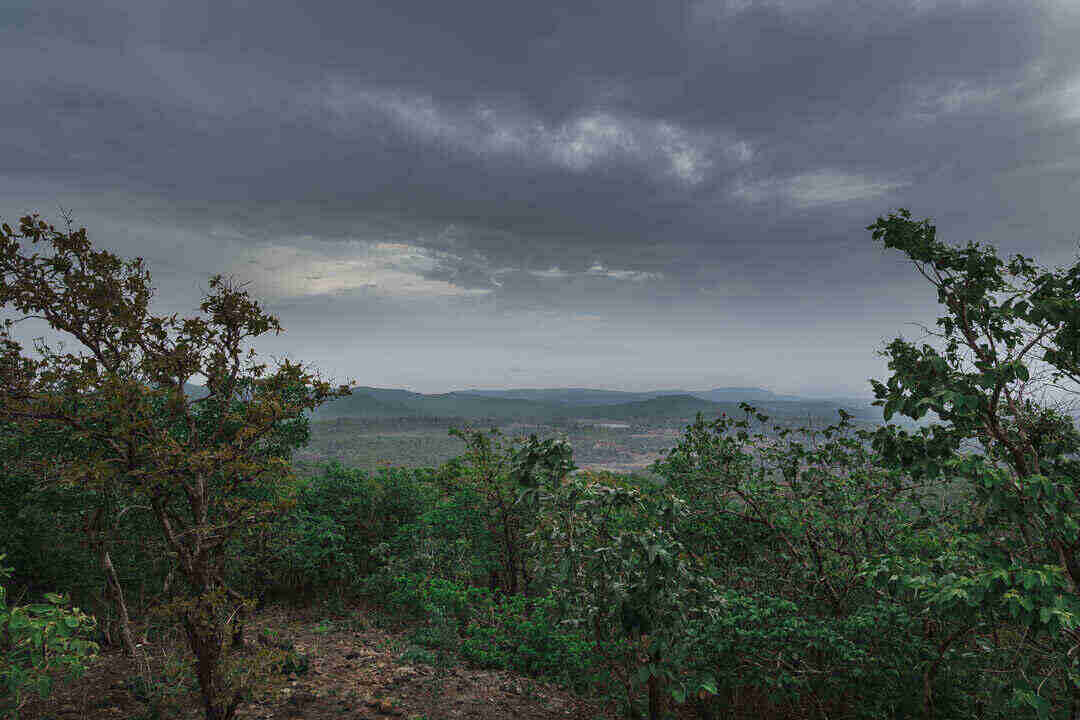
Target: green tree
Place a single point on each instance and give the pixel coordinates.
(785, 521)
(497, 469)
(1002, 363)
(208, 468)
(621, 576)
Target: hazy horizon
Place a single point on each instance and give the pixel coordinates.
(511, 194)
(664, 388)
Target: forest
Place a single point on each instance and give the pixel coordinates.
(923, 569)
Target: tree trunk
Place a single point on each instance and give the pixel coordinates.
(97, 539)
(205, 637)
(238, 629)
(117, 593)
(511, 572)
(656, 700)
(526, 580)
(928, 698)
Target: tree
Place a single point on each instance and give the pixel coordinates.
(498, 469)
(619, 574)
(1004, 365)
(207, 468)
(785, 521)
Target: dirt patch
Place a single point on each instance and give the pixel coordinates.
(354, 671)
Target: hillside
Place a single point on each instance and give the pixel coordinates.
(590, 396)
(367, 402)
(657, 408)
(562, 405)
(570, 404)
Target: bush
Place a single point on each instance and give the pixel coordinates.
(490, 630)
(38, 642)
(451, 540)
(329, 538)
(525, 635)
(64, 556)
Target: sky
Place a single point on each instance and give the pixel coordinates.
(613, 194)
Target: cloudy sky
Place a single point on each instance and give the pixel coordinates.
(510, 193)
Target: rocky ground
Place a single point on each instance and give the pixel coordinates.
(355, 669)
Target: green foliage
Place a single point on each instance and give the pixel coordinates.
(783, 522)
(434, 597)
(331, 536)
(632, 588)
(824, 571)
(209, 469)
(161, 685)
(451, 540)
(491, 630)
(417, 654)
(526, 635)
(38, 642)
(475, 532)
(815, 571)
(67, 555)
(1007, 345)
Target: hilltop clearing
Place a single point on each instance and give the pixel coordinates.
(353, 665)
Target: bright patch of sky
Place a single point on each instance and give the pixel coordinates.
(590, 139)
(320, 268)
(821, 187)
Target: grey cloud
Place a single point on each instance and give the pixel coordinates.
(578, 144)
(678, 170)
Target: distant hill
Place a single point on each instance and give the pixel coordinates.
(568, 396)
(195, 391)
(741, 394)
(571, 403)
(588, 396)
(659, 408)
(563, 404)
(367, 402)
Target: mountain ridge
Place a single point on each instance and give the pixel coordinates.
(567, 404)
(570, 403)
(592, 396)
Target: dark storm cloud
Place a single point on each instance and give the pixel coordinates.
(703, 165)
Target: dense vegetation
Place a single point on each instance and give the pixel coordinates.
(770, 571)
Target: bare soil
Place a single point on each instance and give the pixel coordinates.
(356, 671)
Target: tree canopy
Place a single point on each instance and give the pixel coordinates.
(206, 467)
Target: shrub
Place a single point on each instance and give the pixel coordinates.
(329, 539)
(37, 642)
(525, 635)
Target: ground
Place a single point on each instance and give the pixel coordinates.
(357, 670)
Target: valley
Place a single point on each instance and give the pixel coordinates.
(608, 430)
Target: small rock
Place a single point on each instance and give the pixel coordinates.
(402, 675)
(303, 697)
(384, 706)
